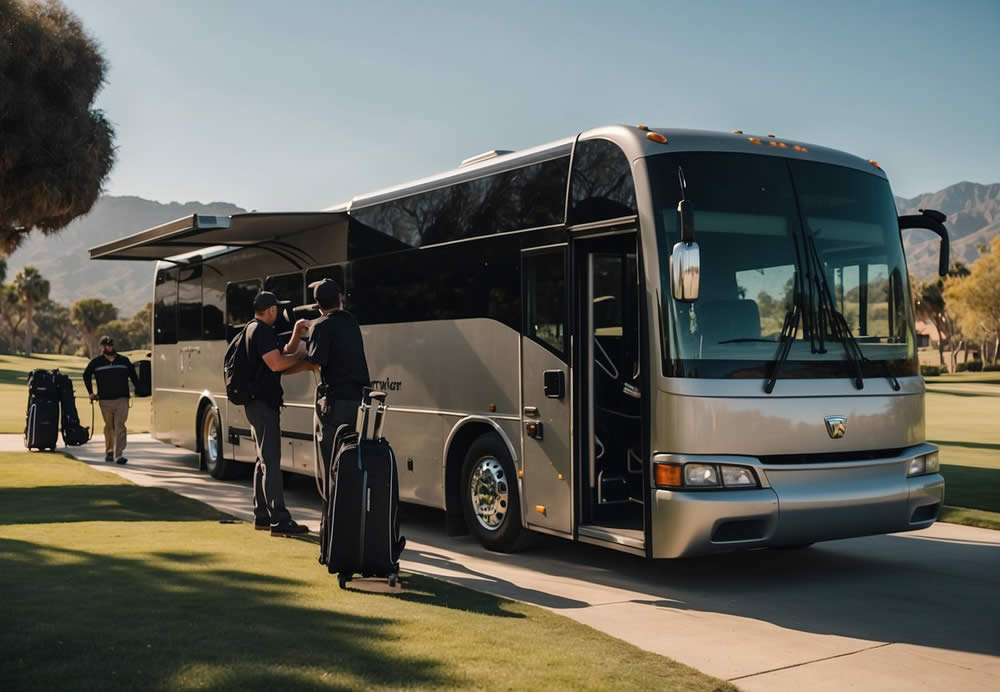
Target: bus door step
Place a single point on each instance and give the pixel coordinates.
(611, 490)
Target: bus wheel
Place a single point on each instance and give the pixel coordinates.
(212, 457)
(490, 502)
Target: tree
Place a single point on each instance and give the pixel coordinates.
(31, 289)
(929, 303)
(57, 150)
(3, 270)
(977, 296)
(90, 314)
(55, 327)
(12, 313)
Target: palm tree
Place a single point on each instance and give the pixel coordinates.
(90, 314)
(32, 289)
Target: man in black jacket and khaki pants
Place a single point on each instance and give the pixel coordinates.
(112, 371)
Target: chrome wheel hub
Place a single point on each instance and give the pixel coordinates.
(490, 493)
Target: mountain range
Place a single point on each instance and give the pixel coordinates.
(973, 212)
(63, 258)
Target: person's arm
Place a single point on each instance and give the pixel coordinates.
(301, 366)
(293, 344)
(131, 373)
(88, 376)
(280, 362)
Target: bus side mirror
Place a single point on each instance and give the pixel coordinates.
(685, 272)
(931, 220)
(685, 211)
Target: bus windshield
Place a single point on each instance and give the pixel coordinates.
(756, 218)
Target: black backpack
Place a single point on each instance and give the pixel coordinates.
(237, 372)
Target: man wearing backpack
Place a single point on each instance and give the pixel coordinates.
(266, 361)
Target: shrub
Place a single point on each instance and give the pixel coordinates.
(992, 368)
(975, 365)
(930, 370)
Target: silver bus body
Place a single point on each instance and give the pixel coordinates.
(826, 460)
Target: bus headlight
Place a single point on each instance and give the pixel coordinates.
(738, 477)
(924, 464)
(701, 476)
(697, 475)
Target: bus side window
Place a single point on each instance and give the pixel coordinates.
(165, 307)
(239, 305)
(189, 303)
(288, 288)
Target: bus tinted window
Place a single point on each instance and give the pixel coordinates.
(545, 299)
(239, 302)
(189, 303)
(165, 307)
(288, 287)
(526, 197)
(602, 186)
(457, 281)
(213, 298)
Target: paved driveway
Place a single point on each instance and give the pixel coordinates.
(900, 612)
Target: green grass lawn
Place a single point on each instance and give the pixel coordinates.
(14, 391)
(108, 585)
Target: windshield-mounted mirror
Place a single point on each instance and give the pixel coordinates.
(931, 220)
(685, 271)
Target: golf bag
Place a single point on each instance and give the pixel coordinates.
(41, 429)
(73, 433)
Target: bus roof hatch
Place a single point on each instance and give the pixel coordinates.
(199, 231)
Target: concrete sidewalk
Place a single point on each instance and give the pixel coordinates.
(886, 612)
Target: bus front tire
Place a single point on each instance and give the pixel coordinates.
(212, 457)
(490, 500)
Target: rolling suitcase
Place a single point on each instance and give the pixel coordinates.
(73, 433)
(41, 430)
(361, 515)
(144, 373)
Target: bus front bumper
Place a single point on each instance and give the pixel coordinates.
(800, 504)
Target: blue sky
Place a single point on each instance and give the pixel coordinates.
(300, 105)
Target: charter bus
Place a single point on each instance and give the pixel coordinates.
(667, 342)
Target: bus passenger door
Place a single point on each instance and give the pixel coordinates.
(547, 482)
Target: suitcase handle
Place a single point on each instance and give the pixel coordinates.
(368, 401)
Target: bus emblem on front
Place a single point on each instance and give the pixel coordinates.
(836, 426)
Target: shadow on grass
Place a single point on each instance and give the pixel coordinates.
(70, 503)
(148, 622)
(974, 395)
(971, 486)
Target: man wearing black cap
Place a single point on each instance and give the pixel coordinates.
(337, 350)
(112, 371)
(267, 360)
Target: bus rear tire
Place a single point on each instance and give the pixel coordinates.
(490, 500)
(210, 441)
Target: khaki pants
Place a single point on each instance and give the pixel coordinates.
(115, 413)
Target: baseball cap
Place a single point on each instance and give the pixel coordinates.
(264, 300)
(106, 341)
(326, 292)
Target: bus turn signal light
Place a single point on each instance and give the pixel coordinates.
(667, 475)
(656, 137)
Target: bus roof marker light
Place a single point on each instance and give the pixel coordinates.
(773, 143)
(770, 135)
(644, 128)
(875, 163)
(754, 140)
(737, 132)
(782, 145)
(656, 137)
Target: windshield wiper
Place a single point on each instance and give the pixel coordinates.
(788, 331)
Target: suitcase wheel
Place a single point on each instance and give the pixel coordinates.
(342, 580)
(393, 579)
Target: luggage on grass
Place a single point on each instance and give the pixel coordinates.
(41, 429)
(144, 373)
(73, 433)
(359, 532)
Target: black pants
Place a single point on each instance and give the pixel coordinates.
(344, 412)
(268, 489)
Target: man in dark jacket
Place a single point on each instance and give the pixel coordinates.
(112, 371)
(268, 360)
(337, 350)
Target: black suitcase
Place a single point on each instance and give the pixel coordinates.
(73, 433)
(41, 429)
(144, 373)
(360, 527)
